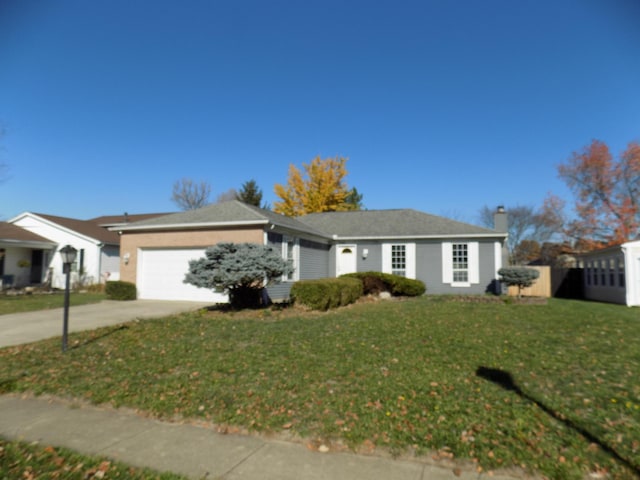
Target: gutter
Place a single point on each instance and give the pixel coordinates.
(28, 244)
(187, 226)
(427, 237)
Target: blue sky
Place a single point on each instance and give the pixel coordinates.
(443, 106)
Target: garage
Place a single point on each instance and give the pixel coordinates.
(161, 273)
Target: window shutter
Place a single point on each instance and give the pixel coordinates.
(447, 262)
(386, 258)
(474, 262)
(411, 260)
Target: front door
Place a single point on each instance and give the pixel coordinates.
(347, 260)
(36, 266)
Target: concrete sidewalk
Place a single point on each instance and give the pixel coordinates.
(196, 452)
(27, 327)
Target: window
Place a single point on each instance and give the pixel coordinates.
(595, 272)
(290, 252)
(399, 260)
(587, 272)
(460, 262)
(612, 272)
(621, 272)
(603, 272)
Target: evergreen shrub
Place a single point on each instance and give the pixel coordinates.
(119, 290)
(326, 293)
(520, 277)
(376, 282)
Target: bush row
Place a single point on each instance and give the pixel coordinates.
(119, 290)
(376, 282)
(326, 293)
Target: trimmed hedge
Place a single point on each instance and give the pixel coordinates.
(376, 282)
(119, 290)
(326, 293)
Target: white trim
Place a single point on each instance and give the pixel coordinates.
(473, 252)
(386, 258)
(188, 226)
(497, 254)
(410, 258)
(50, 223)
(295, 257)
(447, 263)
(473, 264)
(28, 244)
(339, 249)
(631, 252)
(421, 237)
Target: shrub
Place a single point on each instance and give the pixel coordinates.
(326, 293)
(239, 269)
(119, 290)
(520, 277)
(376, 282)
(95, 288)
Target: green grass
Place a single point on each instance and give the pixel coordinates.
(29, 303)
(394, 375)
(32, 461)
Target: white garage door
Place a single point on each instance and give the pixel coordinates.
(161, 274)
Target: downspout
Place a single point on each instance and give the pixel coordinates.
(100, 247)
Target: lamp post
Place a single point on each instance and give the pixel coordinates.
(68, 254)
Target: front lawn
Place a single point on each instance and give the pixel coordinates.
(29, 303)
(32, 461)
(398, 375)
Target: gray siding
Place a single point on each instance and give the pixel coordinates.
(313, 262)
(109, 262)
(429, 264)
(319, 261)
(598, 282)
(429, 268)
(373, 262)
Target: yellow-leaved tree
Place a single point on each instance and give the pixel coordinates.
(321, 189)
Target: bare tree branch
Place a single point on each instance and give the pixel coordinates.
(189, 195)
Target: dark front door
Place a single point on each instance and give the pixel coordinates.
(36, 266)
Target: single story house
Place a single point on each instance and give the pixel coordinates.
(449, 256)
(98, 247)
(23, 256)
(613, 274)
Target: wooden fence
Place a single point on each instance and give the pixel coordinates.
(542, 286)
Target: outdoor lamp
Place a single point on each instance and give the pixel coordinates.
(68, 254)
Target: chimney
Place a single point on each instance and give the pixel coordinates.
(501, 220)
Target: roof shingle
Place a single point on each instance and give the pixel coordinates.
(12, 233)
(356, 224)
(390, 223)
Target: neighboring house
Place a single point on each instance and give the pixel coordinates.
(98, 247)
(449, 256)
(613, 274)
(23, 256)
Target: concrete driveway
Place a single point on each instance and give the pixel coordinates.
(19, 328)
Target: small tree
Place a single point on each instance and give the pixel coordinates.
(227, 196)
(520, 277)
(250, 193)
(239, 269)
(189, 195)
(321, 188)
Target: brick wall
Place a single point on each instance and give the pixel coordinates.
(131, 242)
